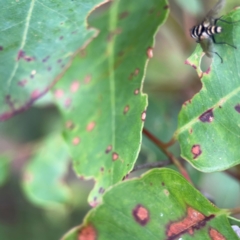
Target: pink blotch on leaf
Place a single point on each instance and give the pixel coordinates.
(91, 126)
(136, 92)
(69, 125)
(58, 93)
(87, 79)
(76, 141)
(35, 94)
(150, 52)
(74, 86)
(143, 115)
(115, 156)
(68, 102)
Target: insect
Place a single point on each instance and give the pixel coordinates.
(204, 32)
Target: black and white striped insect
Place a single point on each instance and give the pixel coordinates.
(204, 33)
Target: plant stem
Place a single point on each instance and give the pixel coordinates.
(151, 165)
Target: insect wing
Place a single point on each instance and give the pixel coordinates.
(212, 14)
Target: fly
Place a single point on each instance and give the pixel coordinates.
(204, 32)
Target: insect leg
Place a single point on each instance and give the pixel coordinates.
(219, 56)
(213, 38)
(220, 19)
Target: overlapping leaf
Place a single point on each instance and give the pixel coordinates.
(160, 205)
(37, 41)
(43, 177)
(100, 95)
(209, 124)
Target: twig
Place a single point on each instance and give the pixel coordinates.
(163, 147)
(151, 165)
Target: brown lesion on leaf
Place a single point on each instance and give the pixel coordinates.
(196, 151)
(123, 15)
(113, 33)
(115, 156)
(88, 232)
(215, 235)
(187, 102)
(134, 74)
(101, 190)
(69, 125)
(126, 109)
(141, 214)
(22, 55)
(67, 102)
(166, 7)
(207, 117)
(108, 149)
(193, 221)
(1, 48)
(190, 130)
(237, 108)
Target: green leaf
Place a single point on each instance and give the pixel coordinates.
(4, 169)
(209, 124)
(100, 96)
(37, 41)
(43, 180)
(159, 205)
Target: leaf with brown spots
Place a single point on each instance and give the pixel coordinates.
(209, 125)
(108, 109)
(37, 42)
(141, 209)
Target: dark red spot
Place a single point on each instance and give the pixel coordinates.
(87, 233)
(45, 59)
(123, 15)
(101, 190)
(163, 184)
(166, 7)
(114, 156)
(63, 65)
(59, 60)
(22, 83)
(187, 102)
(61, 37)
(49, 68)
(191, 131)
(74, 32)
(207, 116)
(102, 169)
(108, 149)
(237, 108)
(141, 214)
(1, 48)
(196, 151)
(20, 55)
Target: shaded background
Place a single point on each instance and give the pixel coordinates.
(169, 82)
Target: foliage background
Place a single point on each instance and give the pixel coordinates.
(168, 83)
